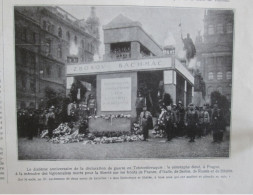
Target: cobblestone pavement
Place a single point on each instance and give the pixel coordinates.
(153, 148)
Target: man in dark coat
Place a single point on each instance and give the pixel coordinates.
(50, 122)
(31, 124)
(217, 124)
(170, 120)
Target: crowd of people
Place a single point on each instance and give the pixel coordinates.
(192, 121)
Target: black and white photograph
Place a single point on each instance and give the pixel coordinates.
(123, 82)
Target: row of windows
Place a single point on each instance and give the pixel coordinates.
(219, 89)
(51, 28)
(220, 28)
(27, 35)
(219, 60)
(220, 75)
(28, 84)
(26, 58)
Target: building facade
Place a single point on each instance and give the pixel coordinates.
(215, 52)
(45, 38)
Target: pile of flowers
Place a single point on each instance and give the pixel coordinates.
(136, 129)
(109, 140)
(64, 134)
(111, 116)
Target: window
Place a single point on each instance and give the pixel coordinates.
(210, 76)
(32, 85)
(59, 72)
(229, 75)
(44, 25)
(229, 28)
(210, 29)
(48, 46)
(220, 29)
(209, 90)
(219, 76)
(22, 105)
(48, 70)
(219, 89)
(48, 27)
(59, 32)
(23, 57)
(24, 34)
(75, 40)
(52, 29)
(33, 59)
(59, 51)
(23, 82)
(82, 43)
(68, 35)
(220, 60)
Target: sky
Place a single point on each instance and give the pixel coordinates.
(162, 23)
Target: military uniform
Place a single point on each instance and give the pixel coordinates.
(191, 122)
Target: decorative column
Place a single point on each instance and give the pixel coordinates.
(170, 79)
(135, 49)
(185, 92)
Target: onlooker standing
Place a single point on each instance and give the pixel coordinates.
(144, 118)
(50, 122)
(139, 104)
(169, 126)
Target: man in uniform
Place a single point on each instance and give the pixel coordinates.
(180, 119)
(92, 105)
(191, 122)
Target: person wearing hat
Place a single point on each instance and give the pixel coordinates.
(145, 116)
(191, 122)
(180, 119)
(169, 124)
(50, 121)
(139, 104)
(174, 111)
(92, 105)
(217, 124)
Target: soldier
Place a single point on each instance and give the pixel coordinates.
(200, 122)
(206, 121)
(180, 119)
(92, 105)
(144, 118)
(191, 122)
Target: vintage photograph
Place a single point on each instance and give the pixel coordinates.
(123, 82)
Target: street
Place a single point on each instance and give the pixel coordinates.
(40, 149)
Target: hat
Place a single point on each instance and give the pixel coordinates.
(174, 105)
(52, 107)
(168, 107)
(179, 102)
